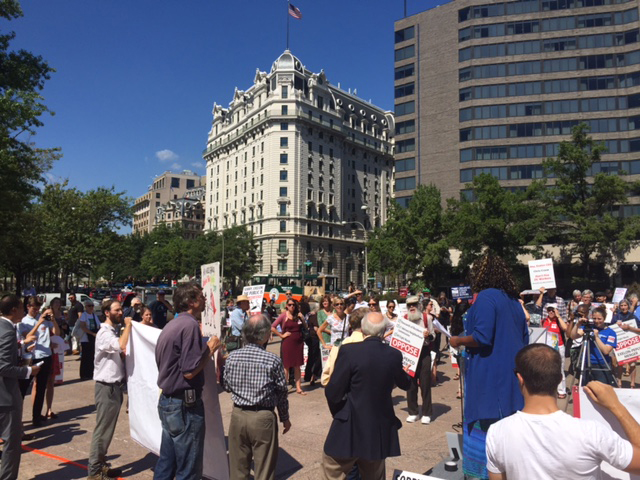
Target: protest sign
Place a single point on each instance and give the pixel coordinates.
(462, 292)
(408, 338)
(401, 309)
(585, 408)
(211, 317)
(628, 349)
(324, 356)
(144, 422)
(255, 294)
(541, 274)
(383, 307)
(619, 294)
(438, 326)
(530, 292)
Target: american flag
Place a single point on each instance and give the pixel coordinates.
(295, 12)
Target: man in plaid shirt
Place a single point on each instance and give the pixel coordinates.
(257, 384)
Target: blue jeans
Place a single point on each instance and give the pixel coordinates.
(182, 447)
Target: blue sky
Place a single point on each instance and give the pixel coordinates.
(136, 80)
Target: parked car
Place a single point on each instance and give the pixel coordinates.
(81, 297)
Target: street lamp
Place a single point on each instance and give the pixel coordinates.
(366, 267)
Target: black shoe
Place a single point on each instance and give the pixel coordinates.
(38, 421)
(109, 472)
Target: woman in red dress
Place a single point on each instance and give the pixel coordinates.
(290, 323)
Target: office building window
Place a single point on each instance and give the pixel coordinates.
(284, 110)
(404, 53)
(406, 165)
(282, 264)
(405, 71)
(284, 141)
(408, 145)
(284, 126)
(191, 183)
(282, 246)
(405, 108)
(405, 34)
(408, 126)
(283, 175)
(175, 182)
(283, 191)
(285, 91)
(284, 158)
(408, 183)
(404, 90)
(283, 226)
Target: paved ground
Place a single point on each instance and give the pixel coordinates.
(61, 447)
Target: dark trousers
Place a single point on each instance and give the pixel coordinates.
(41, 385)
(24, 383)
(314, 363)
(108, 402)
(86, 360)
(423, 375)
(11, 431)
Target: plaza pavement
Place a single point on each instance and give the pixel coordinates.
(61, 447)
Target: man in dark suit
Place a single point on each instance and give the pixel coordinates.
(11, 311)
(364, 429)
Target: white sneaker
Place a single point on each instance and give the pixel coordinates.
(413, 418)
(426, 420)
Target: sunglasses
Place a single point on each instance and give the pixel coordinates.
(338, 304)
(390, 306)
(373, 304)
(291, 304)
(412, 304)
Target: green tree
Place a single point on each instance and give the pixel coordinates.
(585, 208)
(414, 239)
(508, 223)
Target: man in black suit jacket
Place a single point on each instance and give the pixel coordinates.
(12, 311)
(364, 429)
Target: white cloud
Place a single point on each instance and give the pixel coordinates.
(197, 164)
(166, 155)
(176, 166)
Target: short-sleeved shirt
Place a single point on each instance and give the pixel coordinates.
(553, 327)
(159, 313)
(43, 336)
(178, 351)
(608, 337)
(92, 322)
(74, 312)
(237, 319)
(339, 328)
(557, 447)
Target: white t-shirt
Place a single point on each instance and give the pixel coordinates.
(361, 305)
(86, 319)
(339, 328)
(554, 446)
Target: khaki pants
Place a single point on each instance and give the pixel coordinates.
(338, 468)
(253, 435)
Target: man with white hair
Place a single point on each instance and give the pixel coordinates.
(423, 369)
(364, 429)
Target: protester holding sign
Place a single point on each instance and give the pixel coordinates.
(556, 326)
(620, 317)
(496, 330)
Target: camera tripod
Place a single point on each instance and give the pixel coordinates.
(584, 361)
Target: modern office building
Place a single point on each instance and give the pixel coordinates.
(306, 166)
(495, 86)
(165, 187)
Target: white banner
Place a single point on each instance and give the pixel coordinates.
(619, 294)
(541, 274)
(143, 393)
(211, 317)
(408, 338)
(255, 294)
(585, 408)
(628, 349)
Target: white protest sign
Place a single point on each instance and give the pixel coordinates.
(541, 274)
(255, 294)
(211, 318)
(438, 326)
(324, 356)
(383, 307)
(628, 349)
(585, 408)
(408, 338)
(619, 294)
(404, 475)
(401, 309)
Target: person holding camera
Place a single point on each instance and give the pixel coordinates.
(423, 369)
(602, 340)
(543, 442)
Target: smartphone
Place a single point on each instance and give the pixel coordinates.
(39, 364)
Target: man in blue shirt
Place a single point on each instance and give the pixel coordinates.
(238, 318)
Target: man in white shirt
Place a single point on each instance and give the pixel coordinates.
(109, 375)
(11, 311)
(543, 442)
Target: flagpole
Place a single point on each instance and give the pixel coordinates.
(288, 15)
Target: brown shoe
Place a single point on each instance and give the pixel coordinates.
(75, 352)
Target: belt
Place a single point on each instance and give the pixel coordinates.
(119, 382)
(180, 395)
(254, 408)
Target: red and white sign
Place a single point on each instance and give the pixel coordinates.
(628, 349)
(408, 338)
(541, 274)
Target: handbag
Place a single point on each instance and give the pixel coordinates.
(77, 332)
(304, 329)
(232, 342)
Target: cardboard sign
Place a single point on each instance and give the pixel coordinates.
(255, 294)
(408, 338)
(628, 344)
(541, 274)
(211, 317)
(462, 292)
(404, 475)
(619, 294)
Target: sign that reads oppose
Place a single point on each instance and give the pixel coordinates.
(628, 349)
(255, 294)
(408, 338)
(211, 318)
(541, 274)
(463, 292)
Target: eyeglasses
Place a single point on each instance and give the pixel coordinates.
(338, 304)
(390, 306)
(291, 304)
(412, 304)
(373, 304)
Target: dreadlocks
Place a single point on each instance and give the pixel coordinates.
(491, 271)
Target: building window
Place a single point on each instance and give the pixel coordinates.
(283, 208)
(284, 158)
(175, 182)
(405, 127)
(404, 53)
(283, 175)
(191, 183)
(405, 183)
(404, 90)
(157, 195)
(284, 125)
(285, 91)
(406, 165)
(283, 226)
(282, 246)
(408, 145)
(405, 108)
(284, 141)
(284, 110)
(283, 191)
(282, 264)
(405, 34)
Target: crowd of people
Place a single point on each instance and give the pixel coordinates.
(342, 342)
